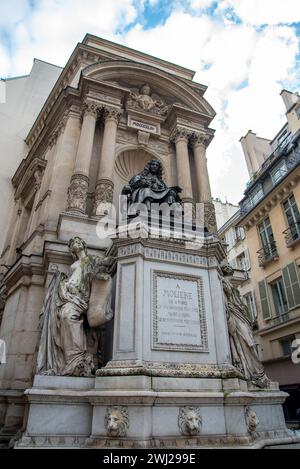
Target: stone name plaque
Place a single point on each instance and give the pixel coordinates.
(178, 313)
(144, 126)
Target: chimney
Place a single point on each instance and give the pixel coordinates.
(289, 99)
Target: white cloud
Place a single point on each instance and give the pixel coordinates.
(258, 12)
(13, 11)
(201, 4)
(238, 55)
(181, 39)
(4, 62)
(54, 27)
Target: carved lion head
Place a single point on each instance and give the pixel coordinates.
(252, 420)
(117, 421)
(190, 421)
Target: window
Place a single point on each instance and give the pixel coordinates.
(256, 195)
(282, 137)
(298, 112)
(239, 233)
(250, 302)
(286, 346)
(293, 217)
(279, 297)
(267, 239)
(279, 171)
(243, 261)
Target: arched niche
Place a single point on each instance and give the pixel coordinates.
(130, 162)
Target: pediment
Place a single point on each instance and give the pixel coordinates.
(165, 88)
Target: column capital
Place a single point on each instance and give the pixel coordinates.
(91, 108)
(200, 139)
(180, 133)
(112, 113)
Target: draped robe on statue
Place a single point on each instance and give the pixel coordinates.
(63, 348)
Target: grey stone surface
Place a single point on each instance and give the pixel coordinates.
(62, 382)
(55, 419)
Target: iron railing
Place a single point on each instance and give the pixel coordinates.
(292, 234)
(291, 162)
(267, 253)
(280, 319)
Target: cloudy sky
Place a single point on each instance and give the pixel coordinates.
(245, 51)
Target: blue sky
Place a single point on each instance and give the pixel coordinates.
(245, 51)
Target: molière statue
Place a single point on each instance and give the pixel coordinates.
(148, 187)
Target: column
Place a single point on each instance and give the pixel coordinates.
(79, 186)
(200, 142)
(199, 146)
(62, 169)
(41, 207)
(180, 137)
(105, 187)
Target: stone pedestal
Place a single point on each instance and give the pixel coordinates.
(74, 412)
(170, 383)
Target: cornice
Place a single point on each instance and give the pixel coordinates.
(82, 55)
(195, 120)
(111, 92)
(27, 176)
(26, 266)
(278, 194)
(118, 50)
(212, 248)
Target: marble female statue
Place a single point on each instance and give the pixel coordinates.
(148, 187)
(63, 346)
(242, 344)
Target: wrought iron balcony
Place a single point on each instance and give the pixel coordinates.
(280, 319)
(292, 234)
(267, 253)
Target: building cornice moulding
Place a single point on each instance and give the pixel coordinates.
(270, 201)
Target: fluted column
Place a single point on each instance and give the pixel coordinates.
(200, 142)
(79, 186)
(180, 138)
(105, 187)
(63, 163)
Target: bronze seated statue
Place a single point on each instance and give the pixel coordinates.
(148, 187)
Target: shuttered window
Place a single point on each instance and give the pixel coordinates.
(292, 286)
(249, 299)
(265, 305)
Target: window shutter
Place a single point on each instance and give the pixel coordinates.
(265, 305)
(247, 256)
(254, 305)
(291, 281)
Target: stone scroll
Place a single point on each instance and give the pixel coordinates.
(100, 311)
